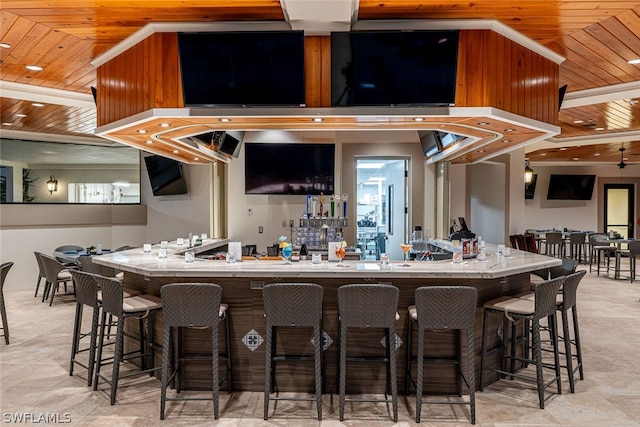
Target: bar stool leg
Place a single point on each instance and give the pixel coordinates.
(567, 350)
(419, 374)
(407, 380)
(317, 332)
(574, 313)
(343, 369)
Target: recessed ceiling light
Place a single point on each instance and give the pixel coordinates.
(543, 154)
(196, 158)
(164, 125)
(34, 68)
(480, 151)
(37, 104)
(596, 154)
(148, 141)
(7, 124)
(578, 121)
(5, 45)
(599, 128)
(175, 151)
(634, 61)
(21, 115)
(318, 119)
(510, 130)
(418, 119)
(576, 158)
(482, 123)
(142, 131)
(506, 141)
(563, 149)
(224, 119)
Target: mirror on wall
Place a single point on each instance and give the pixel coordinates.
(57, 172)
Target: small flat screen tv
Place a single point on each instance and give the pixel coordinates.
(252, 68)
(273, 168)
(165, 176)
(570, 187)
(389, 68)
(530, 188)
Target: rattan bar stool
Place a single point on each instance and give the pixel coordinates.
(513, 309)
(292, 305)
(444, 308)
(192, 305)
(56, 273)
(4, 269)
(87, 288)
(369, 306)
(554, 244)
(565, 301)
(578, 246)
(140, 307)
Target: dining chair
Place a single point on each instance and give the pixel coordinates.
(41, 272)
(56, 273)
(4, 269)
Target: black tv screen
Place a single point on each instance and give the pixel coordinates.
(530, 188)
(260, 68)
(570, 187)
(384, 68)
(273, 168)
(165, 176)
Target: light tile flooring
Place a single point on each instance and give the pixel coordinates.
(34, 379)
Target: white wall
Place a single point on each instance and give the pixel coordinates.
(488, 201)
(170, 217)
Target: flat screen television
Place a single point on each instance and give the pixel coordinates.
(274, 168)
(530, 188)
(165, 176)
(570, 187)
(252, 68)
(387, 68)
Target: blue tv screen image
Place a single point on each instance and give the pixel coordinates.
(259, 68)
(273, 168)
(385, 68)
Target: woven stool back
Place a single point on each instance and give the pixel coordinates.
(191, 304)
(545, 294)
(293, 304)
(446, 307)
(368, 305)
(86, 285)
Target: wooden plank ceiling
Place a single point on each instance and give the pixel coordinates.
(596, 37)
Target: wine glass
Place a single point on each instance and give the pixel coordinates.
(340, 252)
(287, 251)
(406, 247)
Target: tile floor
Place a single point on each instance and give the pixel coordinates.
(34, 379)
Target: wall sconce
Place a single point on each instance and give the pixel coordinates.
(528, 172)
(52, 184)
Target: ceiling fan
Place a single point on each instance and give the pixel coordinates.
(622, 164)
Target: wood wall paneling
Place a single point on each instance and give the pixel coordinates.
(492, 72)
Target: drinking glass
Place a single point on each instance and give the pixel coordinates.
(340, 252)
(287, 251)
(406, 247)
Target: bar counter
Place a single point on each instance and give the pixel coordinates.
(241, 289)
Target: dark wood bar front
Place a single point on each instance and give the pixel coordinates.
(242, 283)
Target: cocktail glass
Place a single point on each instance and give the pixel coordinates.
(287, 251)
(406, 247)
(340, 252)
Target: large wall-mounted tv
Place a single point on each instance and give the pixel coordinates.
(253, 68)
(385, 68)
(165, 176)
(274, 168)
(570, 187)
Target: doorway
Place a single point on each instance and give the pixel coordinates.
(619, 201)
(382, 206)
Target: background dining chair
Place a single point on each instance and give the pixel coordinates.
(56, 273)
(68, 248)
(41, 273)
(4, 269)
